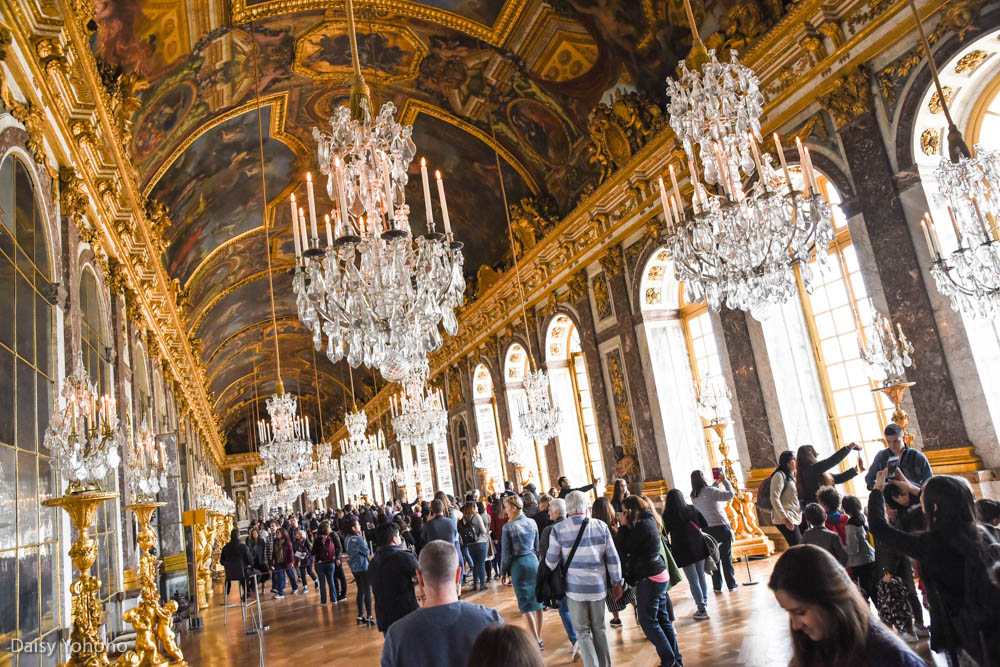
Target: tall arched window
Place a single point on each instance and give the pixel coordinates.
(837, 312)
(29, 554)
(580, 456)
(514, 369)
(95, 346)
(683, 353)
(487, 425)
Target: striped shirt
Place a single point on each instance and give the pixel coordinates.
(596, 558)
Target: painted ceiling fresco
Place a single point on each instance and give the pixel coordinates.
(460, 71)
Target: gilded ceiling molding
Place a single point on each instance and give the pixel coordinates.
(280, 320)
(245, 460)
(94, 150)
(303, 375)
(276, 128)
(412, 107)
(496, 34)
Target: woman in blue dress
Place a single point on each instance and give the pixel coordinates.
(520, 563)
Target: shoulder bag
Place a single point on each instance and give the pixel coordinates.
(550, 584)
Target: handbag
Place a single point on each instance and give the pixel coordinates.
(714, 561)
(550, 584)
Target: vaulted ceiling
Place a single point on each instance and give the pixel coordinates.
(535, 69)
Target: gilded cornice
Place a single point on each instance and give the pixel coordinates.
(496, 34)
(68, 103)
(247, 460)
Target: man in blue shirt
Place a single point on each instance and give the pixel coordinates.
(442, 527)
(913, 465)
(453, 624)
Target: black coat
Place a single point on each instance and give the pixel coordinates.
(236, 559)
(810, 476)
(642, 549)
(687, 543)
(391, 573)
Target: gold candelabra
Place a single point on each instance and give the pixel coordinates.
(86, 647)
(151, 621)
(895, 394)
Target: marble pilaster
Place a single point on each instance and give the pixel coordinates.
(748, 393)
(934, 397)
(613, 264)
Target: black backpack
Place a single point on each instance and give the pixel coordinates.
(467, 531)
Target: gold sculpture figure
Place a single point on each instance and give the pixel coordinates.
(152, 621)
(203, 564)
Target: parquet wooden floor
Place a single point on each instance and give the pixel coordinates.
(746, 628)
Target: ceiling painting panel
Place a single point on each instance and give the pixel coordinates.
(213, 190)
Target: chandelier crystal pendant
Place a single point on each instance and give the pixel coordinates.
(715, 402)
(84, 433)
(149, 466)
(540, 420)
(969, 187)
(285, 439)
(887, 353)
(263, 488)
(418, 413)
(740, 245)
(374, 291)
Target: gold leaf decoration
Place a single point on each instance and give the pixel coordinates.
(935, 105)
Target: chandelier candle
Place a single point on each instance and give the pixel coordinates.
(295, 230)
(444, 204)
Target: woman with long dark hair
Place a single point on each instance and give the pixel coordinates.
(956, 558)
(830, 623)
(603, 510)
(646, 571)
(619, 495)
(711, 502)
(683, 524)
(812, 471)
(786, 511)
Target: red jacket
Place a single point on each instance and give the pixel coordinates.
(837, 522)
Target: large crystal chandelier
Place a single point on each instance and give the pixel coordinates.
(540, 419)
(148, 464)
(376, 292)
(418, 412)
(360, 451)
(969, 188)
(84, 433)
(740, 245)
(285, 439)
(263, 487)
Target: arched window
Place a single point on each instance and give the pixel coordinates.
(96, 349)
(580, 456)
(838, 315)
(514, 369)
(487, 425)
(683, 355)
(30, 559)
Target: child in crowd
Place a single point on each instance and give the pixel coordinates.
(988, 511)
(829, 498)
(821, 536)
(860, 552)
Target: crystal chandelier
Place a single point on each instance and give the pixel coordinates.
(263, 487)
(540, 419)
(715, 402)
(360, 451)
(969, 187)
(209, 494)
(739, 246)
(84, 433)
(376, 292)
(418, 412)
(285, 439)
(480, 458)
(517, 450)
(887, 354)
(148, 467)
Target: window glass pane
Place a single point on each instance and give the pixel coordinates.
(8, 495)
(27, 600)
(43, 335)
(7, 194)
(24, 314)
(25, 406)
(47, 585)
(24, 214)
(27, 498)
(49, 516)
(8, 592)
(7, 394)
(6, 301)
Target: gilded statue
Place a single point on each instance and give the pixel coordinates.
(531, 219)
(203, 560)
(486, 278)
(743, 24)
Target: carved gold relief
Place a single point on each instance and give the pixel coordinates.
(33, 120)
(743, 24)
(576, 287)
(626, 461)
(971, 61)
(530, 220)
(619, 129)
(849, 98)
(930, 141)
(602, 297)
(934, 104)
(613, 261)
(653, 295)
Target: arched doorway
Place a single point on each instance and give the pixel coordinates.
(579, 447)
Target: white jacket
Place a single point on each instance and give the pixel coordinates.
(784, 500)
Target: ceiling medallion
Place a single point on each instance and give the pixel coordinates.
(739, 246)
(377, 293)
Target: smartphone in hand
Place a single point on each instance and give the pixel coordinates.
(716, 474)
(892, 465)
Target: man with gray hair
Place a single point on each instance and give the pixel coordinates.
(454, 624)
(594, 560)
(556, 514)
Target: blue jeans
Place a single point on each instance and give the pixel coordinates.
(651, 605)
(566, 620)
(695, 573)
(724, 536)
(477, 552)
(325, 572)
(279, 581)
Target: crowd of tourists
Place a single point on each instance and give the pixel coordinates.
(922, 545)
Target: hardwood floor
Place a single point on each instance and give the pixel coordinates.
(746, 628)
